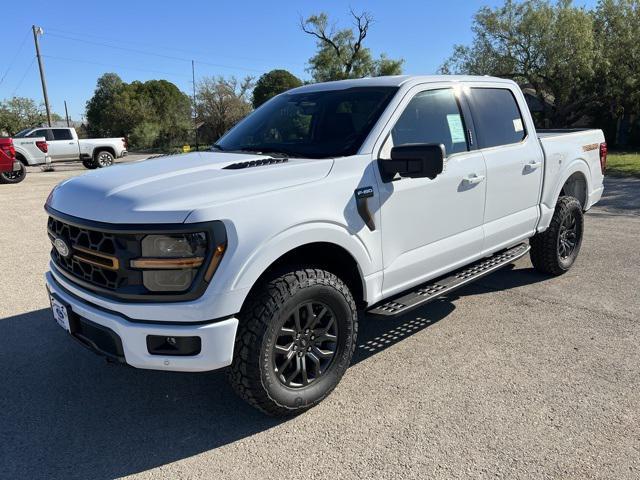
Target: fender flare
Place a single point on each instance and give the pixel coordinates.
(297, 236)
(549, 201)
(576, 165)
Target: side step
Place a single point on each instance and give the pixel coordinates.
(436, 288)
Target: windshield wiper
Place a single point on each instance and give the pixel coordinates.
(217, 146)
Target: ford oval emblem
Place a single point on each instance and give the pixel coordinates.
(62, 247)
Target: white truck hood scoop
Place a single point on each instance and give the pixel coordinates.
(168, 188)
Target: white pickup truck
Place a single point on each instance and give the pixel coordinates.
(64, 145)
(375, 195)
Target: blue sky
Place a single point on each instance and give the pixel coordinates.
(143, 39)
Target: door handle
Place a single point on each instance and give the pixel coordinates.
(533, 165)
(72, 143)
(473, 179)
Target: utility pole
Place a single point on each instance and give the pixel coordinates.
(38, 31)
(66, 113)
(195, 112)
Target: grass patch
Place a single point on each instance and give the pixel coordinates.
(623, 164)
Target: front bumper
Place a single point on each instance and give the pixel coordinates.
(217, 337)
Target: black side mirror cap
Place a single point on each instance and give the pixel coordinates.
(417, 160)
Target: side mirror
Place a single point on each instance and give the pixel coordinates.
(416, 160)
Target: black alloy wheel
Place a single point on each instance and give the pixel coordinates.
(306, 344)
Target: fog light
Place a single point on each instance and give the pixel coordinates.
(177, 346)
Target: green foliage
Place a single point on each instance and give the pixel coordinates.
(341, 53)
(583, 65)
(152, 114)
(273, 83)
(221, 103)
(19, 113)
(623, 164)
(549, 47)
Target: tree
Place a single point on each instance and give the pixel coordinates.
(222, 102)
(548, 47)
(103, 109)
(18, 113)
(617, 76)
(154, 113)
(341, 53)
(273, 83)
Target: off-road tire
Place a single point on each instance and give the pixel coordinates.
(545, 247)
(103, 159)
(90, 164)
(14, 177)
(252, 374)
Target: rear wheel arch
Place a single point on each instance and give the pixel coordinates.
(575, 186)
(21, 158)
(97, 150)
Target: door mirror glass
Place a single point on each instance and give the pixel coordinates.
(413, 161)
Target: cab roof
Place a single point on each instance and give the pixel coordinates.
(395, 81)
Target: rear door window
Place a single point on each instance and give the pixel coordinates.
(432, 116)
(62, 134)
(496, 117)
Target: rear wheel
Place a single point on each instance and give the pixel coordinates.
(89, 164)
(15, 176)
(104, 159)
(296, 338)
(555, 250)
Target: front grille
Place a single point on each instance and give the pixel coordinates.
(97, 257)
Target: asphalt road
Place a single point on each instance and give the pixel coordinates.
(518, 376)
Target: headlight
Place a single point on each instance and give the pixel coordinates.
(170, 263)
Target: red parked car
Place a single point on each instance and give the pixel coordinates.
(11, 170)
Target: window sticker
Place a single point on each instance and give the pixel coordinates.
(517, 124)
(455, 128)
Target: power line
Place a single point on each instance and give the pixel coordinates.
(142, 52)
(89, 62)
(15, 57)
(165, 47)
(23, 77)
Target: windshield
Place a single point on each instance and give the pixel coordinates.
(22, 133)
(331, 123)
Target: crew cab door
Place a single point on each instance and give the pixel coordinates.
(514, 160)
(63, 146)
(431, 226)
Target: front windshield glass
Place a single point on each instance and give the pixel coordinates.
(321, 124)
(22, 133)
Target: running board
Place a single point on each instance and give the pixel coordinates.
(436, 288)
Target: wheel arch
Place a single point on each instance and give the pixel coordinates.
(104, 148)
(574, 180)
(327, 248)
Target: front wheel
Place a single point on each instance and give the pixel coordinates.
(104, 159)
(295, 341)
(15, 176)
(555, 250)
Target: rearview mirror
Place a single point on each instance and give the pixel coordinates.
(416, 160)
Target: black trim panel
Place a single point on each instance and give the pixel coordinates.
(216, 233)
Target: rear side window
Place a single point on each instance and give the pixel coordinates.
(496, 117)
(62, 134)
(432, 116)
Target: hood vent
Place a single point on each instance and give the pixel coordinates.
(255, 163)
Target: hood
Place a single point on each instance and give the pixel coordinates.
(166, 189)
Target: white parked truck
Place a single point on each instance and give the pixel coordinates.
(64, 145)
(375, 195)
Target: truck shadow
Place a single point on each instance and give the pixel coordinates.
(64, 413)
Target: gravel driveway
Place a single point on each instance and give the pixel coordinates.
(517, 376)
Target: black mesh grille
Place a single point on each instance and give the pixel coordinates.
(95, 241)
